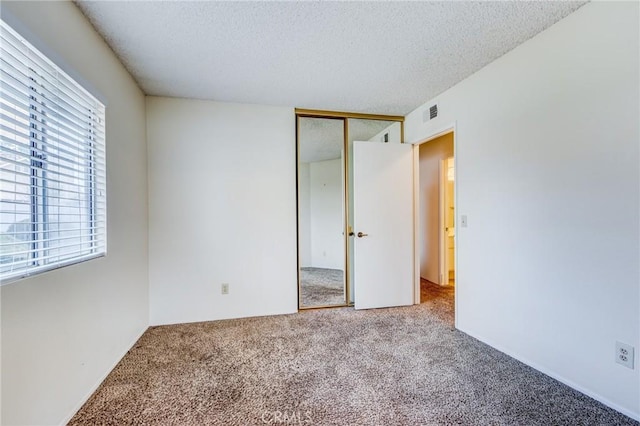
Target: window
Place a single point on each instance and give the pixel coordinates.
(52, 164)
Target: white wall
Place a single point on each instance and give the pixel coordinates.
(547, 148)
(222, 209)
(395, 135)
(327, 214)
(64, 330)
(304, 214)
(431, 153)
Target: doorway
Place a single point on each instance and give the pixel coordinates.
(325, 142)
(436, 235)
(447, 221)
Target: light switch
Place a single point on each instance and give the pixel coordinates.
(463, 220)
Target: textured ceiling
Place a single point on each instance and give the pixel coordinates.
(377, 57)
(320, 139)
(323, 138)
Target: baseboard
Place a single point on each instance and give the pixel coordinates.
(156, 323)
(68, 418)
(561, 379)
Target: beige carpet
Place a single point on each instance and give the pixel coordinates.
(400, 366)
(321, 287)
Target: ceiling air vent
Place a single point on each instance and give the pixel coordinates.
(433, 112)
(430, 113)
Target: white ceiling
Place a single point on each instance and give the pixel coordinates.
(376, 57)
(322, 139)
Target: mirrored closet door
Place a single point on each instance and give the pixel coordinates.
(325, 200)
(368, 130)
(321, 212)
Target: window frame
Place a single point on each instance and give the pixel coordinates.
(89, 148)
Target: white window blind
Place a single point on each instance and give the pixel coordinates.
(52, 164)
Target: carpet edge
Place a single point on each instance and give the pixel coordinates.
(102, 378)
(627, 412)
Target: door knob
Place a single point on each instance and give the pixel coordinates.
(361, 234)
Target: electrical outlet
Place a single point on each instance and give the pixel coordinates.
(624, 354)
(225, 288)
